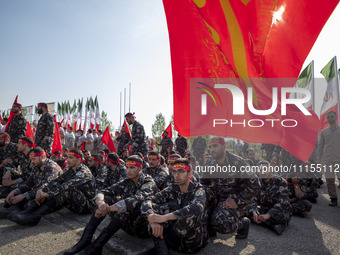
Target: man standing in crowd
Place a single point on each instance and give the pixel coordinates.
(198, 147)
(329, 154)
(45, 129)
(138, 143)
(166, 144)
(17, 128)
(69, 139)
(181, 145)
(89, 141)
(123, 138)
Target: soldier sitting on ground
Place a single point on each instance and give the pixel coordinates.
(184, 228)
(122, 201)
(74, 189)
(271, 207)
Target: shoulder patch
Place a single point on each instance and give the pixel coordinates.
(281, 188)
(199, 193)
(146, 186)
(50, 178)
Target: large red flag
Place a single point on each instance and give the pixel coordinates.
(11, 114)
(127, 128)
(243, 39)
(106, 139)
(56, 146)
(169, 130)
(29, 132)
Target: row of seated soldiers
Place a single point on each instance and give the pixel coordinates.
(181, 208)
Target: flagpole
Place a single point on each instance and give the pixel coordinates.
(120, 110)
(313, 88)
(129, 96)
(124, 100)
(337, 85)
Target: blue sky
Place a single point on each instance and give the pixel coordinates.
(52, 51)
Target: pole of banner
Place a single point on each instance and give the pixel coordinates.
(337, 84)
(313, 87)
(120, 110)
(124, 101)
(129, 96)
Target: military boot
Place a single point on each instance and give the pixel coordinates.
(242, 233)
(30, 219)
(5, 211)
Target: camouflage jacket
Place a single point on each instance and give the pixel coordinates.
(113, 177)
(199, 145)
(17, 128)
(45, 130)
(303, 187)
(138, 135)
(80, 179)
(166, 143)
(159, 175)
(240, 186)
(23, 166)
(273, 196)
(123, 140)
(49, 171)
(181, 144)
(11, 152)
(101, 174)
(182, 205)
(128, 195)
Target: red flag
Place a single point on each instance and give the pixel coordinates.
(152, 143)
(241, 39)
(169, 130)
(11, 114)
(0, 118)
(106, 139)
(29, 132)
(127, 128)
(56, 146)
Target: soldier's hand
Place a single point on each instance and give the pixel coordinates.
(264, 217)
(229, 204)
(104, 207)
(156, 218)
(295, 180)
(99, 214)
(256, 218)
(7, 176)
(157, 230)
(10, 196)
(8, 182)
(40, 196)
(17, 199)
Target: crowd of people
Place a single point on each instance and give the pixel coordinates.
(163, 195)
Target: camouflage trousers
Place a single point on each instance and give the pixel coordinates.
(301, 206)
(225, 221)
(282, 217)
(75, 201)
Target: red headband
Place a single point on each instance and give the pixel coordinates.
(65, 163)
(33, 155)
(57, 153)
(97, 160)
(17, 105)
(113, 161)
(216, 140)
(133, 163)
(26, 142)
(171, 160)
(181, 166)
(40, 105)
(153, 157)
(130, 115)
(75, 155)
(4, 137)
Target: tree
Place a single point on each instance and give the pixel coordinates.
(158, 128)
(104, 122)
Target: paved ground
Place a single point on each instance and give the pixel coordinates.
(318, 233)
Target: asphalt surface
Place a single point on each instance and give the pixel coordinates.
(317, 233)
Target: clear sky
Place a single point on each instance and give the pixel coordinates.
(52, 51)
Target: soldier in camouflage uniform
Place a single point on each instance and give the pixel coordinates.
(17, 128)
(198, 147)
(271, 207)
(44, 171)
(166, 144)
(234, 192)
(122, 200)
(123, 139)
(45, 129)
(8, 151)
(115, 171)
(21, 164)
(138, 143)
(75, 189)
(155, 170)
(297, 194)
(181, 145)
(184, 227)
(98, 169)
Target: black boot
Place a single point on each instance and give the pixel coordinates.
(5, 193)
(31, 207)
(279, 228)
(334, 202)
(30, 219)
(86, 238)
(242, 233)
(5, 211)
(97, 246)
